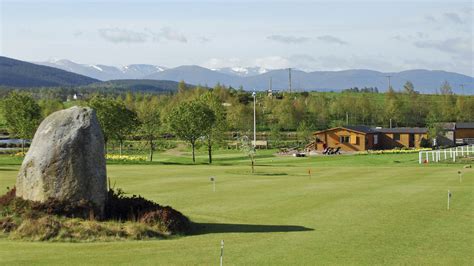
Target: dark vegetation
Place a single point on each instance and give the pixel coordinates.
(125, 218)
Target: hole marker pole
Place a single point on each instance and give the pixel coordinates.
(460, 176)
(309, 173)
(449, 198)
(213, 180)
(222, 252)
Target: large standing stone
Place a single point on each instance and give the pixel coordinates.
(66, 160)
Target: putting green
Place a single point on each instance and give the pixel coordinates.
(367, 209)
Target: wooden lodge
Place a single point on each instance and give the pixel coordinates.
(456, 134)
(361, 138)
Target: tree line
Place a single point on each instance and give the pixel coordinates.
(204, 115)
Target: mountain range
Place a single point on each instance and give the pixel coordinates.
(16, 73)
(256, 78)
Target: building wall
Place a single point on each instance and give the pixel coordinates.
(331, 139)
(464, 133)
(388, 141)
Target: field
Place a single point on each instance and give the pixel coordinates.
(366, 209)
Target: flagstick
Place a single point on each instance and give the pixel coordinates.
(449, 198)
(222, 251)
(460, 176)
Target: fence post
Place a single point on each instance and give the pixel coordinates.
(419, 157)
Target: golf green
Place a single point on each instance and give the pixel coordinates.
(359, 209)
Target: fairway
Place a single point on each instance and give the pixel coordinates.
(366, 209)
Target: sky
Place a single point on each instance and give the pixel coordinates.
(381, 35)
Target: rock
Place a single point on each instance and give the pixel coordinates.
(66, 160)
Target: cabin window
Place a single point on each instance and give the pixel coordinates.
(396, 137)
(357, 142)
(344, 139)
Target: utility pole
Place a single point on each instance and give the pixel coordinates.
(347, 118)
(254, 94)
(289, 79)
(389, 84)
(270, 90)
(390, 122)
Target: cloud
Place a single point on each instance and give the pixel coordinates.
(268, 62)
(272, 62)
(170, 35)
(411, 37)
(287, 39)
(331, 39)
(456, 46)
(430, 18)
(453, 17)
(214, 63)
(203, 39)
(77, 33)
(117, 35)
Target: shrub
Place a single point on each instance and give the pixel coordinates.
(125, 217)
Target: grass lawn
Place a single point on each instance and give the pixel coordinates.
(366, 209)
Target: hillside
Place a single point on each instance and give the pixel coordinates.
(142, 85)
(16, 73)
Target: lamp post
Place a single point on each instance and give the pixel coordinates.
(254, 95)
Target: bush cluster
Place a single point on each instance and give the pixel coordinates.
(125, 218)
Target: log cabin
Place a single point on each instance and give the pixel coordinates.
(362, 138)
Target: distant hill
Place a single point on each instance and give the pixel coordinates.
(250, 78)
(142, 85)
(195, 75)
(16, 73)
(104, 72)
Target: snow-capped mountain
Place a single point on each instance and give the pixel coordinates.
(256, 78)
(104, 72)
(242, 71)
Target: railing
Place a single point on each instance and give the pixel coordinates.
(446, 154)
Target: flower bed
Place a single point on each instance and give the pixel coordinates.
(394, 151)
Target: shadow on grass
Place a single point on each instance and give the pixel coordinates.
(213, 228)
(8, 169)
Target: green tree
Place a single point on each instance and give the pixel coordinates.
(49, 106)
(22, 115)
(304, 132)
(150, 124)
(191, 121)
(275, 135)
(115, 119)
(216, 132)
(249, 150)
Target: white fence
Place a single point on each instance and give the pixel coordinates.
(447, 154)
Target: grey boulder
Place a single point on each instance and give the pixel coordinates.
(66, 160)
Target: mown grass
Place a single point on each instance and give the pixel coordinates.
(367, 209)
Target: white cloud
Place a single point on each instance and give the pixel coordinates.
(453, 17)
(117, 35)
(215, 63)
(170, 35)
(331, 39)
(272, 62)
(456, 46)
(287, 39)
